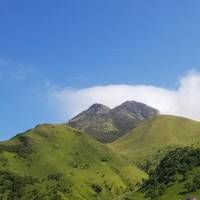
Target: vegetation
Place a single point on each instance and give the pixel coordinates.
(52, 162)
(13, 186)
(175, 166)
(156, 137)
(164, 148)
(58, 162)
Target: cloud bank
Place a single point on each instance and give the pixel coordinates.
(183, 101)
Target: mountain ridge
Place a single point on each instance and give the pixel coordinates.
(155, 161)
(59, 162)
(107, 125)
(159, 133)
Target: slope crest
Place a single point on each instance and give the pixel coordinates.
(59, 162)
(157, 134)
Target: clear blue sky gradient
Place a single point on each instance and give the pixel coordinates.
(76, 43)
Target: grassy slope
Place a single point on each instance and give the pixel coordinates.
(152, 141)
(176, 189)
(173, 193)
(156, 135)
(53, 149)
(82, 161)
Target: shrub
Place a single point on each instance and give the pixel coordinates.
(97, 188)
(173, 167)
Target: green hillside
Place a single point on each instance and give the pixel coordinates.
(177, 176)
(52, 162)
(167, 148)
(58, 162)
(155, 137)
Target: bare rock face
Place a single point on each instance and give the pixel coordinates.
(107, 125)
(130, 114)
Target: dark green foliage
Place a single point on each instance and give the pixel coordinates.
(79, 164)
(152, 161)
(12, 185)
(194, 184)
(22, 147)
(15, 187)
(97, 188)
(130, 187)
(108, 185)
(173, 167)
(25, 145)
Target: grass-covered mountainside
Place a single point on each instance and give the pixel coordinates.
(179, 167)
(107, 125)
(156, 136)
(52, 162)
(167, 148)
(176, 177)
(58, 162)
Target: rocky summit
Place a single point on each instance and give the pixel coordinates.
(107, 125)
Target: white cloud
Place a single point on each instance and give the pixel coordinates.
(184, 101)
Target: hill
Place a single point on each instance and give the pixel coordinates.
(177, 174)
(59, 162)
(176, 177)
(107, 125)
(167, 148)
(147, 144)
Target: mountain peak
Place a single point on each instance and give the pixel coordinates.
(107, 125)
(131, 104)
(95, 110)
(97, 107)
(136, 108)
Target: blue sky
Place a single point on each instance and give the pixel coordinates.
(80, 44)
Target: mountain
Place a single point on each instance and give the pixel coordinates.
(131, 114)
(156, 136)
(159, 160)
(168, 149)
(57, 162)
(96, 121)
(107, 125)
(177, 176)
